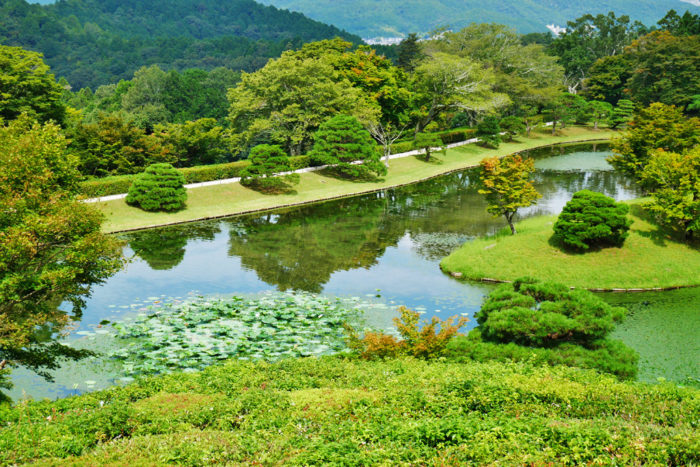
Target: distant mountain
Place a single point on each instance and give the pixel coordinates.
(93, 42)
(389, 18)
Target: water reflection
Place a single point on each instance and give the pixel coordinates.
(386, 243)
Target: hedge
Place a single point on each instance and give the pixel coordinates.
(119, 184)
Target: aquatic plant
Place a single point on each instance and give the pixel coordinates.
(192, 335)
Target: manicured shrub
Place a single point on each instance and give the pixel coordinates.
(489, 132)
(547, 323)
(513, 126)
(159, 188)
(545, 314)
(428, 142)
(342, 140)
(421, 340)
(266, 161)
(592, 219)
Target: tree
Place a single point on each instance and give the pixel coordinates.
(144, 100)
(591, 219)
(197, 142)
(286, 101)
(409, 52)
(427, 142)
(159, 188)
(589, 38)
(658, 126)
(558, 111)
(531, 118)
(447, 82)
(600, 112)
(507, 186)
(340, 141)
(546, 314)
(27, 86)
(265, 162)
(607, 78)
(114, 145)
(686, 25)
(675, 179)
(489, 132)
(512, 126)
(622, 113)
(664, 68)
(51, 246)
(525, 73)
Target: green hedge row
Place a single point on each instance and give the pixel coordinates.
(204, 173)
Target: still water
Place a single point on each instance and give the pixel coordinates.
(385, 245)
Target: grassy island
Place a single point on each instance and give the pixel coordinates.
(233, 198)
(649, 259)
(349, 412)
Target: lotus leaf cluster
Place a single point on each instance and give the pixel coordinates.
(192, 335)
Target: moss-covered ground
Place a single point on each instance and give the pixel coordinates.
(334, 411)
(232, 198)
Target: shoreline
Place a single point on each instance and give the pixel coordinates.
(345, 195)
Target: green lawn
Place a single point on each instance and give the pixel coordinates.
(648, 259)
(230, 199)
(335, 411)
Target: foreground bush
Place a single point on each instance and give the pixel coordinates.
(159, 188)
(592, 219)
(422, 340)
(547, 323)
(351, 412)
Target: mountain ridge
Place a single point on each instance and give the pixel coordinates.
(373, 18)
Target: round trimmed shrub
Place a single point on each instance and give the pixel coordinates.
(592, 219)
(544, 314)
(159, 188)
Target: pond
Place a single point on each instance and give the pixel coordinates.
(384, 247)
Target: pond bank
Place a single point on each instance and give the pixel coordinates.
(648, 260)
(217, 201)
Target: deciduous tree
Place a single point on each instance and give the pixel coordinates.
(51, 246)
(507, 186)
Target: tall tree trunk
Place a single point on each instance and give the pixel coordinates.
(509, 218)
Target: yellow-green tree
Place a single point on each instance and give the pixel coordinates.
(51, 246)
(27, 86)
(507, 186)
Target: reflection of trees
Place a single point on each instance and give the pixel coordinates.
(301, 248)
(164, 248)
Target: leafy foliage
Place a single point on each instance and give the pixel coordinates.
(512, 126)
(622, 113)
(340, 141)
(51, 247)
(675, 179)
(664, 68)
(544, 314)
(98, 42)
(592, 219)
(28, 87)
(306, 411)
(159, 188)
(489, 132)
(658, 126)
(507, 186)
(605, 355)
(196, 334)
(427, 142)
(265, 162)
(421, 340)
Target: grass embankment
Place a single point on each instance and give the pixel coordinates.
(649, 259)
(344, 412)
(230, 199)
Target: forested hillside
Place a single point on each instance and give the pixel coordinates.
(93, 42)
(372, 18)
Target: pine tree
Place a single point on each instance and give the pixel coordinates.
(409, 52)
(341, 141)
